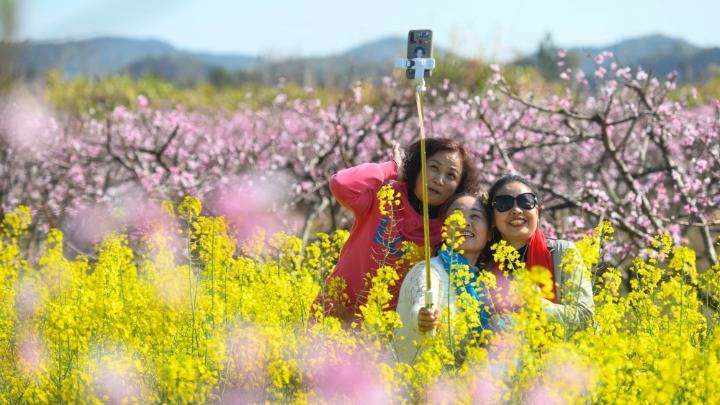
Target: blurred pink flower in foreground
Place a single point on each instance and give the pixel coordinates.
(88, 226)
(442, 391)
(570, 376)
(115, 386)
(30, 354)
(542, 395)
(26, 122)
(247, 375)
(131, 213)
(340, 374)
(27, 299)
(484, 389)
(253, 201)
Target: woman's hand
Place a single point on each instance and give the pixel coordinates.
(399, 159)
(428, 319)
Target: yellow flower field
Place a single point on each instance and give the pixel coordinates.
(188, 316)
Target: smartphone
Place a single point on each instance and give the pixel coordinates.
(419, 45)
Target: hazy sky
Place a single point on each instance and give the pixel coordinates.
(491, 29)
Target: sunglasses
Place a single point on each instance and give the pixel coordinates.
(526, 201)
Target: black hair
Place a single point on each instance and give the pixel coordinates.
(483, 198)
(469, 182)
(480, 195)
(492, 193)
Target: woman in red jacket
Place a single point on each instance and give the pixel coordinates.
(377, 234)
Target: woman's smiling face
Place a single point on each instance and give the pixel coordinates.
(515, 225)
(477, 230)
(444, 171)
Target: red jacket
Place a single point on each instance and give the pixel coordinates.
(373, 239)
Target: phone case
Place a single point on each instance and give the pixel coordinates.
(419, 45)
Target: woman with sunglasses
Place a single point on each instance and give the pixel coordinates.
(515, 215)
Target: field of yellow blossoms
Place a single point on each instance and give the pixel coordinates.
(185, 315)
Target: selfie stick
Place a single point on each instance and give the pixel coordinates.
(421, 65)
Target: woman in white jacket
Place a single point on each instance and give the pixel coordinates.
(415, 317)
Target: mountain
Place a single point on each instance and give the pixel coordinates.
(180, 69)
(98, 57)
(372, 60)
(656, 53)
(378, 51)
(103, 56)
(93, 57)
(230, 62)
(633, 52)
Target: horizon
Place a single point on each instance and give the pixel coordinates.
(351, 47)
(491, 31)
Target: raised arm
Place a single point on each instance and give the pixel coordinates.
(355, 187)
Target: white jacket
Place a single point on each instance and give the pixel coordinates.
(412, 298)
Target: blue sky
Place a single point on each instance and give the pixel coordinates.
(495, 30)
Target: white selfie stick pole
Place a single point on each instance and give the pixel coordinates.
(421, 65)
